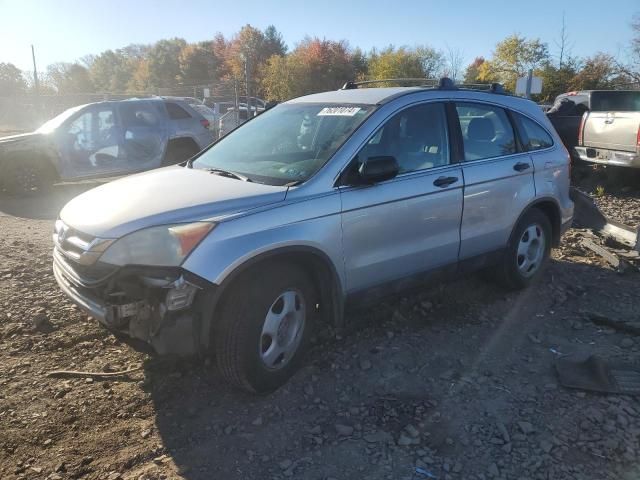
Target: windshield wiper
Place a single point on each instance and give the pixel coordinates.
(228, 174)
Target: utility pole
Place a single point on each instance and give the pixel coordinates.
(35, 71)
(36, 86)
(248, 80)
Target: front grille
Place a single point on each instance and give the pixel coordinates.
(79, 247)
(77, 253)
(83, 275)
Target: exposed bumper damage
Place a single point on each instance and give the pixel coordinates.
(160, 308)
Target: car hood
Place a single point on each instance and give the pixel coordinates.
(21, 138)
(163, 196)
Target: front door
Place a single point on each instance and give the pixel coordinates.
(90, 143)
(409, 224)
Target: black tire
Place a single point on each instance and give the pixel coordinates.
(239, 328)
(27, 177)
(510, 272)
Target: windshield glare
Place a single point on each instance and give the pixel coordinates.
(55, 122)
(286, 144)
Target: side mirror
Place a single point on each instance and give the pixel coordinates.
(378, 169)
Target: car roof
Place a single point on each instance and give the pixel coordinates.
(379, 96)
(360, 96)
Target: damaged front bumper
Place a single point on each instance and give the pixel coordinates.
(160, 308)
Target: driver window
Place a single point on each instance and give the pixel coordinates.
(416, 137)
(92, 139)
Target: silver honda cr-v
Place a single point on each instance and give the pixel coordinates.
(322, 202)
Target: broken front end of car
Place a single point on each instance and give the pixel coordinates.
(154, 308)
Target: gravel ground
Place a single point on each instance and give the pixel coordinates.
(457, 381)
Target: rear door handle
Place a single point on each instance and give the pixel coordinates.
(521, 166)
(444, 181)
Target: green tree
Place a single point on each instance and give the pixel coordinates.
(472, 73)
(164, 63)
(395, 63)
(513, 57)
(111, 71)
(11, 80)
(273, 43)
(314, 65)
(557, 79)
(599, 71)
(198, 64)
(69, 78)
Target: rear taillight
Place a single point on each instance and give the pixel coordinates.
(581, 129)
(205, 123)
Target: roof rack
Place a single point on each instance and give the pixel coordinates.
(424, 82)
(443, 83)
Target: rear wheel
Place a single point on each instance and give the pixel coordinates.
(265, 323)
(528, 251)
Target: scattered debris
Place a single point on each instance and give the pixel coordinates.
(595, 374)
(425, 473)
(74, 373)
(611, 258)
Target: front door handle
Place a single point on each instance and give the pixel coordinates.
(444, 181)
(521, 166)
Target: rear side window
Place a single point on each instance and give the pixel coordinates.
(486, 131)
(176, 112)
(138, 115)
(615, 101)
(533, 136)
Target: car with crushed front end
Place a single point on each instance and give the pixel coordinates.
(101, 140)
(320, 204)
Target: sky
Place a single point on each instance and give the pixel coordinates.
(66, 30)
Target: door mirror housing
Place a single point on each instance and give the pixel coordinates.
(378, 169)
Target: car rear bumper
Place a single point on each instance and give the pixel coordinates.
(609, 157)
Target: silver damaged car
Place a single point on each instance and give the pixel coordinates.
(321, 203)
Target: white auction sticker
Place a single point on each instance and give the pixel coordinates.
(339, 111)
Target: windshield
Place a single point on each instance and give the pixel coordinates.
(55, 122)
(286, 144)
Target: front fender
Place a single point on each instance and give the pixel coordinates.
(311, 224)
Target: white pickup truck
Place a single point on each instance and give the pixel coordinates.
(610, 129)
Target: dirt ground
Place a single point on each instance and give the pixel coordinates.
(456, 381)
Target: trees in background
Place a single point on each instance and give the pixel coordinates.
(11, 80)
(472, 72)
(321, 64)
(313, 65)
(69, 78)
(513, 57)
(419, 62)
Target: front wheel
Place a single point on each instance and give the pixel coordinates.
(27, 177)
(528, 251)
(265, 323)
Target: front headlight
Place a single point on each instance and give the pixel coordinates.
(166, 245)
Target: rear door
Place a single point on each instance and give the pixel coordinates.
(498, 179)
(145, 135)
(409, 224)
